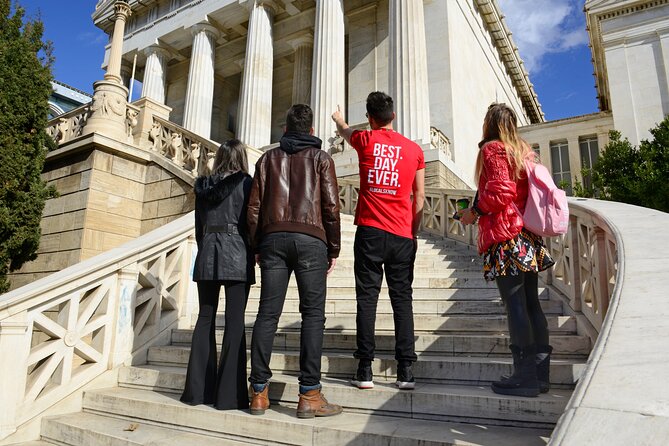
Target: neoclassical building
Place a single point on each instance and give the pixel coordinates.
(227, 68)
(630, 53)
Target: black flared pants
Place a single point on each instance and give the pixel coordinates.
(224, 387)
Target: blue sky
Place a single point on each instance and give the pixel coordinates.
(550, 35)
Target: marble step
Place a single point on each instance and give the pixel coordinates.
(423, 323)
(565, 346)
(462, 280)
(348, 292)
(88, 429)
(437, 307)
(424, 260)
(279, 424)
(440, 369)
(473, 404)
(32, 443)
(419, 273)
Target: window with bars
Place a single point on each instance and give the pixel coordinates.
(560, 165)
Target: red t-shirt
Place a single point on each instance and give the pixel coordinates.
(388, 164)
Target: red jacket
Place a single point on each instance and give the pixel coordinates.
(498, 192)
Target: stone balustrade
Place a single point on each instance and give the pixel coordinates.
(611, 266)
(440, 142)
(70, 125)
(61, 332)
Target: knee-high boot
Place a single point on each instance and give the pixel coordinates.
(524, 381)
(543, 361)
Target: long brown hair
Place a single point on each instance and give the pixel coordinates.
(500, 124)
(231, 157)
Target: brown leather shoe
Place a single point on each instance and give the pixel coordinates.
(313, 404)
(259, 400)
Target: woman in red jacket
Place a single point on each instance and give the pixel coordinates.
(512, 256)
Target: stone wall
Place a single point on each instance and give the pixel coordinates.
(107, 197)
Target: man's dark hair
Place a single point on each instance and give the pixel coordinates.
(380, 107)
(299, 119)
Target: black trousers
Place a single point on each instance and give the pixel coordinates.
(526, 319)
(225, 388)
(373, 249)
(282, 253)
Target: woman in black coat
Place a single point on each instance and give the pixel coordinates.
(223, 258)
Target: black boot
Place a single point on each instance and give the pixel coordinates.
(523, 382)
(543, 361)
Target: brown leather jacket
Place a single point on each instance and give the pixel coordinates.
(295, 190)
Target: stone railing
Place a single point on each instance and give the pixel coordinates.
(69, 125)
(611, 266)
(183, 147)
(61, 332)
(440, 142)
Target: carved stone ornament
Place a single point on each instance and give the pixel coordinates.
(106, 104)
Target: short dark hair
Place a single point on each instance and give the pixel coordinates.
(300, 118)
(231, 157)
(380, 107)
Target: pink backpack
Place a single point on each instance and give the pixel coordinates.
(546, 211)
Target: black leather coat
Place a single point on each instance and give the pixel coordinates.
(221, 231)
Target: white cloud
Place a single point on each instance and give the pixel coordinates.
(541, 27)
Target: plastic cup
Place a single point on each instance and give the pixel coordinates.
(462, 204)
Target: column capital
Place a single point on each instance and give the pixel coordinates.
(122, 10)
(270, 5)
(303, 40)
(207, 28)
(157, 50)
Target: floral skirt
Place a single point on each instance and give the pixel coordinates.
(526, 252)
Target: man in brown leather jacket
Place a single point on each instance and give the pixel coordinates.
(293, 219)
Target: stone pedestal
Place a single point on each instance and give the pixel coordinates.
(14, 348)
(255, 97)
(148, 108)
(108, 110)
(154, 73)
(200, 90)
(408, 70)
(329, 67)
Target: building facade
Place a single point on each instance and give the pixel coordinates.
(65, 98)
(233, 67)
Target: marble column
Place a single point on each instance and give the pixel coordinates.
(255, 98)
(110, 98)
(328, 84)
(200, 90)
(154, 73)
(116, 52)
(304, 51)
(408, 70)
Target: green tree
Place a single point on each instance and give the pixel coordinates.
(25, 75)
(635, 176)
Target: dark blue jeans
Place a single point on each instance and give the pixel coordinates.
(281, 254)
(373, 249)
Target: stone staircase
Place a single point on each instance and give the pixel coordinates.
(462, 345)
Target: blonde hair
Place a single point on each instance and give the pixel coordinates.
(500, 124)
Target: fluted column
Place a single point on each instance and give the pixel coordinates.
(154, 73)
(255, 98)
(408, 69)
(110, 98)
(328, 85)
(200, 89)
(122, 10)
(304, 51)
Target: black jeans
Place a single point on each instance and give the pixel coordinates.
(281, 253)
(373, 249)
(225, 388)
(526, 319)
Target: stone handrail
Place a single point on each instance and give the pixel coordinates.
(69, 125)
(61, 332)
(183, 147)
(441, 142)
(611, 266)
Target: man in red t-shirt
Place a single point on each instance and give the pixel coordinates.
(392, 168)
